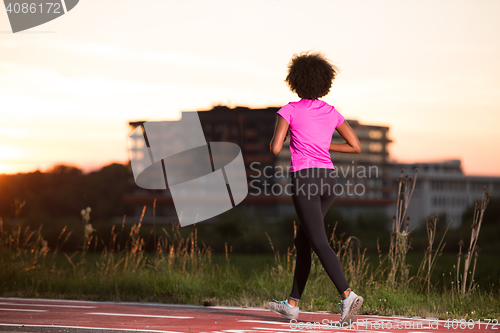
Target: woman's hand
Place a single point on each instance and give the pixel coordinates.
(351, 145)
(279, 135)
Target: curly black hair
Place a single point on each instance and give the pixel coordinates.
(310, 75)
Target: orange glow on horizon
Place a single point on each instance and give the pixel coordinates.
(67, 96)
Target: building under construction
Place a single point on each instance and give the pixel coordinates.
(364, 179)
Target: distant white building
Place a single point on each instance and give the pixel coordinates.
(442, 187)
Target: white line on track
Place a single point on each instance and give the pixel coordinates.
(48, 300)
(23, 310)
(290, 330)
(326, 330)
(91, 328)
(50, 305)
(136, 315)
(266, 322)
(301, 325)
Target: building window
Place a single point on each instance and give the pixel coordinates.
(375, 158)
(139, 144)
(375, 147)
(361, 132)
(375, 134)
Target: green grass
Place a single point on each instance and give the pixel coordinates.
(243, 280)
(181, 271)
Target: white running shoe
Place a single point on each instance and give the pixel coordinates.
(284, 309)
(349, 308)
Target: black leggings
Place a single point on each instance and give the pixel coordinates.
(313, 194)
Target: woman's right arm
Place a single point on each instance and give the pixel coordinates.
(351, 145)
(279, 135)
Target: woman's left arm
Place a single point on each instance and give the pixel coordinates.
(351, 145)
(279, 135)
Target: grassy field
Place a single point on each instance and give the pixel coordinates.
(187, 274)
(396, 281)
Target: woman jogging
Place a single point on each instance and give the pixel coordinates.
(311, 123)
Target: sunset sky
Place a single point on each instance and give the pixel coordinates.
(428, 69)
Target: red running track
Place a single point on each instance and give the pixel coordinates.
(173, 318)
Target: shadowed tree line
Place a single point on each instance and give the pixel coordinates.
(55, 198)
(64, 191)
